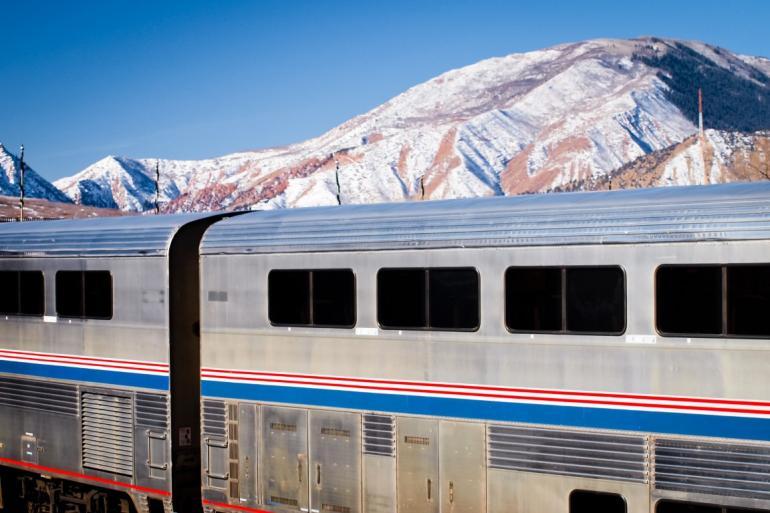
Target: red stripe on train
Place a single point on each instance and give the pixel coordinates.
(493, 388)
(68, 473)
(513, 397)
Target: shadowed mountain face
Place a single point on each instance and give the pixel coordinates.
(531, 122)
(35, 186)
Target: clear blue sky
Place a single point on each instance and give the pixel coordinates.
(80, 80)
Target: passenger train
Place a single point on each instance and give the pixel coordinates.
(568, 353)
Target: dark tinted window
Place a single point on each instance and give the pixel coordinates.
(595, 300)
(97, 290)
(454, 298)
(84, 294)
(721, 300)
(22, 293)
(581, 501)
(334, 298)
(289, 297)
(571, 299)
(312, 298)
(748, 300)
(533, 298)
(401, 298)
(688, 299)
(437, 298)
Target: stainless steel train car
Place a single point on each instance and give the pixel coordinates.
(605, 352)
(99, 388)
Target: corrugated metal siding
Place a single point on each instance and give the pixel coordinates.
(108, 433)
(109, 236)
(674, 214)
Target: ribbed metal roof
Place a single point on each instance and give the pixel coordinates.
(738, 211)
(106, 236)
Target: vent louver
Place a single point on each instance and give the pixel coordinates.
(713, 468)
(39, 395)
(214, 418)
(568, 453)
(152, 411)
(379, 435)
(108, 433)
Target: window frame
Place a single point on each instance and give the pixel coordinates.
(311, 299)
(724, 271)
(18, 312)
(426, 306)
(563, 274)
(83, 315)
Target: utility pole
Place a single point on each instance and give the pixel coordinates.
(700, 111)
(337, 178)
(21, 184)
(422, 187)
(157, 187)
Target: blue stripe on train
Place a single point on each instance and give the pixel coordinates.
(750, 428)
(108, 377)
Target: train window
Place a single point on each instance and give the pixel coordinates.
(436, 298)
(289, 298)
(748, 300)
(669, 506)
(584, 501)
(84, 294)
(713, 300)
(401, 298)
(22, 293)
(323, 297)
(569, 300)
(688, 299)
(533, 298)
(595, 300)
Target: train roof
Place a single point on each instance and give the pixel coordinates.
(738, 211)
(105, 236)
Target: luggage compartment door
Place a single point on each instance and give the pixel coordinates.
(417, 472)
(463, 467)
(285, 474)
(335, 462)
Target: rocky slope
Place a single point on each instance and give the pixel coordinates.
(537, 121)
(714, 157)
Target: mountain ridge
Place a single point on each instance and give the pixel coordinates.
(526, 122)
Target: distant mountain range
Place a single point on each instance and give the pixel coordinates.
(574, 116)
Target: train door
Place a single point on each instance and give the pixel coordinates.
(441, 466)
(285, 469)
(335, 461)
(311, 461)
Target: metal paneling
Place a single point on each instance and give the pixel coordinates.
(39, 395)
(379, 463)
(335, 462)
(418, 471)
(673, 214)
(462, 467)
(570, 453)
(248, 428)
(108, 236)
(285, 473)
(108, 433)
(697, 466)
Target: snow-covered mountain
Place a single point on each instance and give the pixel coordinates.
(528, 122)
(35, 186)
